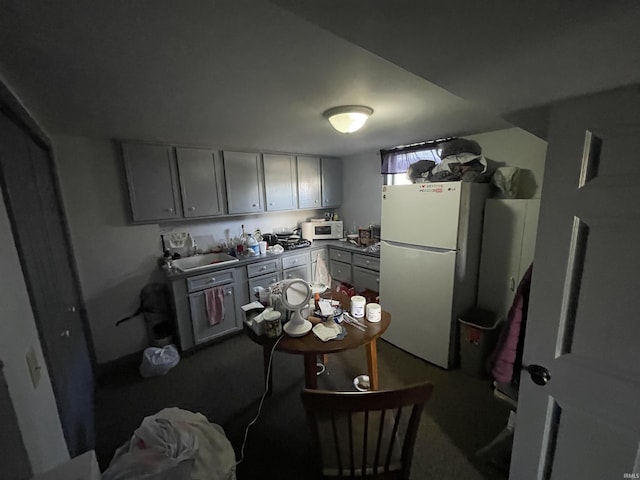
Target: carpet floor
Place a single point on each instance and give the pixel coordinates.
(224, 382)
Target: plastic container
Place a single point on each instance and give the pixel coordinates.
(478, 337)
(252, 244)
(357, 306)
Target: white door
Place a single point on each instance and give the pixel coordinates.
(584, 313)
(422, 214)
(416, 287)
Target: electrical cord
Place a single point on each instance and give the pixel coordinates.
(264, 395)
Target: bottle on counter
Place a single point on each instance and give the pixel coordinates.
(252, 244)
(167, 261)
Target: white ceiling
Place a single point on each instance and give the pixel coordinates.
(258, 74)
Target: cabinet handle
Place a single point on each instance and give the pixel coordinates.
(274, 280)
(315, 201)
(71, 309)
(295, 261)
(289, 275)
(263, 268)
(213, 279)
(512, 284)
(170, 210)
(271, 204)
(254, 204)
(377, 280)
(368, 262)
(65, 333)
(228, 292)
(192, 209)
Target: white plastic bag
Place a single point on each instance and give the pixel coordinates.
(158, 361)
(174, 444)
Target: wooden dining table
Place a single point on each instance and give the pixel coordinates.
(310, 346)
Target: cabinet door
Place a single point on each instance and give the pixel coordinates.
(303, 272)
(263, 281)
(243, 174)
(331, 182)
(200, 182)
(152, 181)
(340, 271)
(202, 329)
(280, 182)
(308, 182)
(364, 278)
(507, 250)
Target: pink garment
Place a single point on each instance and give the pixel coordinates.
(508, 352)
(214, 298)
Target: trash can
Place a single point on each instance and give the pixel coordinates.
(478, 337)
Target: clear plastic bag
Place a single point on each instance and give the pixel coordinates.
(158, 361)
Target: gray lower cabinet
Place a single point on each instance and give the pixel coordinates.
(262, 274)
(229, 319)
(192, 317)
(366, 272)
(331, 177)
(309, 185)
(340, 265)
(201, 184)
(243, 175)
(297, 266)
(280, 182)
(152, 182)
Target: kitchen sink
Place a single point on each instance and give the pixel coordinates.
(201, 262)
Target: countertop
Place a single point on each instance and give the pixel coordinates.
(317, 244)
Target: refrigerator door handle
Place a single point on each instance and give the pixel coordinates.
(439, 251)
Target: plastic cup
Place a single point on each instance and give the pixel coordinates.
(263, 247)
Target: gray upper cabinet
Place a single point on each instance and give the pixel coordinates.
(152, 181)
(200, 182)
(308, 182)
(243, 173)
(331, 182)
(280, 182)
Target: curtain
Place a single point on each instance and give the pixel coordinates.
(398, 159)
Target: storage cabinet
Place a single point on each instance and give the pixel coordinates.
(340, 265)
(366, 272)
(187, 297)
(280, 182)
(309, 184)
(197, 286)
(331, 182)
(297, 266)
(201, 185)
(152, 182)
(508, 245)
(243, 174)
(168, 182)
(202, 330)
(263, 274)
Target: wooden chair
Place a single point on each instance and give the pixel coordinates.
(366, 434)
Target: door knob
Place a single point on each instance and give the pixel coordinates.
(539, 375)
(65, 333)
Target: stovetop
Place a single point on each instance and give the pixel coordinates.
(295, 244)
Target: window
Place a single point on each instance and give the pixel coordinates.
(396, 161)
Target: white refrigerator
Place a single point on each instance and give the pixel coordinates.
(429, 258)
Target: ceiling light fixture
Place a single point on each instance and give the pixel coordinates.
(348, 118)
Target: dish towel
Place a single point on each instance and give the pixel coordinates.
(214, 298)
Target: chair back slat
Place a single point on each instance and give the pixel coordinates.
(373, 433)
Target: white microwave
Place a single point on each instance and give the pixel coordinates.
(322, 230)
